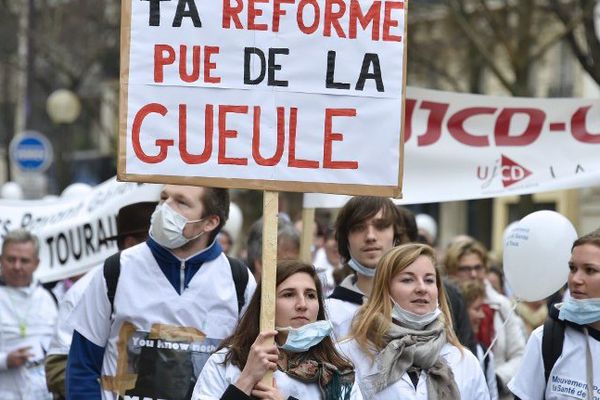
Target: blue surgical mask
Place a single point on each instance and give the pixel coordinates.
(301, 339)
(582, 312)
(361, 269)
(412, 320)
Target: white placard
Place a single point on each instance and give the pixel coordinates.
(281, 95)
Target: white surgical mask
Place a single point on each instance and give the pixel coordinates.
(301, 339)
(361, 269)
(166, 227)
(582, 312)
(412, 320)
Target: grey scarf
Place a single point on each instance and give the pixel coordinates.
(409, 349)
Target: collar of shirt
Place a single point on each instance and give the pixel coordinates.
(170, 264)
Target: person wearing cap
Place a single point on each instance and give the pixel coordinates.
(133, 222)
(366, 228)
(175, 298)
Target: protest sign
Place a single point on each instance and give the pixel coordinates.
(278, 95)
(73, 232)
(273, 95)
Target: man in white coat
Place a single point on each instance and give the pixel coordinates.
(366, 228)
(27, 317)
(177, 296)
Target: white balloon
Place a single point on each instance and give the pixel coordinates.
(75, 190)
(11, 191)
(235, 221)
(508, 229)
(537, 253)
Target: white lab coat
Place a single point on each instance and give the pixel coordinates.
(567, 379)
(465, 366)
(147, 301)
(36, 307)
(216, 377)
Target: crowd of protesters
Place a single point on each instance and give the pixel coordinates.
(380, 313)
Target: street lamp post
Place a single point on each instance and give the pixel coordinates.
(63, 107)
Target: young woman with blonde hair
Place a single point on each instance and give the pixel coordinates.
(402, 342)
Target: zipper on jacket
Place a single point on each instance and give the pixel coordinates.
(181, 277)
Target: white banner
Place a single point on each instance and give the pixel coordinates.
(72, 232)
(464, 146)
(279, 95)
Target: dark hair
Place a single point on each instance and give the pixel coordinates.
(216, 202)
(243, 337)
(499, 273)
(410, 224)
(360, 208)
(589, 238)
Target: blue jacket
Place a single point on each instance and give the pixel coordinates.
(84, 365)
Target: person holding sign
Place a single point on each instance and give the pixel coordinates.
(177, 296)
(558, 360)
(366, 228)
(304, 360)
(402, 342)
(27, 317)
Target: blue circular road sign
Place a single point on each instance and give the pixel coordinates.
(31, 151)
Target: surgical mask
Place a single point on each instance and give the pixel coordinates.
(361, 269)
(412, 320)
(301, 339)
(582, 312)
(166, 227)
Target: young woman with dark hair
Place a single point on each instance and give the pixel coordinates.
(304, 360)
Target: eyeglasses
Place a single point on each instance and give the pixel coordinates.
(467, 269)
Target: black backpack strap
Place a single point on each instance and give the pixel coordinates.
(112, 270)
(240, 274)
(345, 294)
(552, 343)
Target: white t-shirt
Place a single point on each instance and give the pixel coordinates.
(568, 376)
(465, 366)
(216, 377)
(159, 340)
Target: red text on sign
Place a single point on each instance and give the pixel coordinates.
(165, 55)
(501, 119)
(286, 128)
(380, 19)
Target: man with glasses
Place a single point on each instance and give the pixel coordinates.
(467, 259)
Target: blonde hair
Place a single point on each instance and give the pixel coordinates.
(471, 290)
(461, 248)
(374, 317)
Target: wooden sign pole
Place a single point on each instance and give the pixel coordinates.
(308, 226)
(269, 267)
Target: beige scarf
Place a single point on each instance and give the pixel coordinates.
(409, 349)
